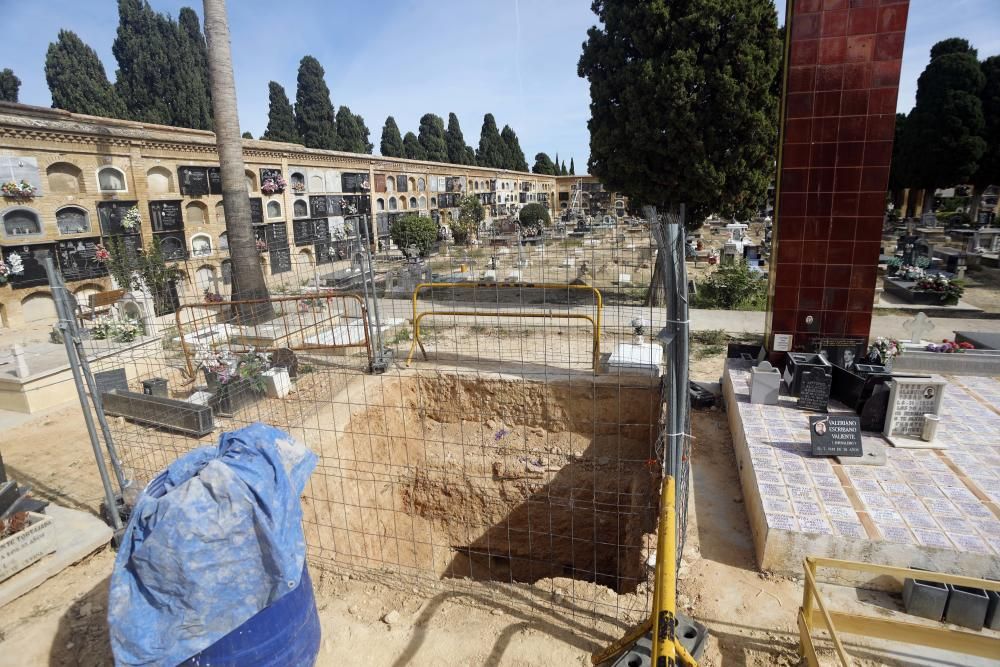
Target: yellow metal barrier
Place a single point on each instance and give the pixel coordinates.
(667, 648)
(941, 637)
(596, 322)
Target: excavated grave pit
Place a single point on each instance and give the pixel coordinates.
(494, 479)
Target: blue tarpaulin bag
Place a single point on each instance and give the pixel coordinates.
(213, 539)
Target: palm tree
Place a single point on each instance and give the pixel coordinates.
(248, 277)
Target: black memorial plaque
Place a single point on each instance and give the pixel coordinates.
(165, 216)
(269, 173)
(214, 181)
(318, 207)
(33, 260)
(110, 380)
(814, 389)
(281, 260)
(110, 214)
(172, 246)
(836, 435)
(193, 181)
(256, 210)
(333, 205)
(260, 233)
(874, 409)
(77, 259)
(322, 253)
(302, 231)
(276, 235)
(354, 182)
(843, 352)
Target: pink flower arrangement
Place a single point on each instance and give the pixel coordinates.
(273, 186)
(101, 254)
(949, 346)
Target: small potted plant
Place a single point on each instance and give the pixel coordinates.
(11, 265)
(18, 191)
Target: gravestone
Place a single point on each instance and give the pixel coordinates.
(78, 259)
(835, 435)
(110, 214)
(907, 244)
(165, 216)
(814, 389)
(285, 358)
(272, 174)
(214, 181)
(765, 384)
(909, 400)
(797, 362)
(843, 352)
(33, 261)
(167, 413)
(256, 210)
(918, 327)
(281, 260)
(318, 206)
(110, 380)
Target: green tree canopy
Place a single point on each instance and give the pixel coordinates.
(413, 231)
(543, 165)
(562, 170)
(314, 117)
(491, 148)
(471, 213)
(572, 168)
(143, 48)
(534, 215)
(431, 138)
(77, 79)
(470, 155)
(897, 172)
(412, 148)
(682, 103)
(512, 150)
(192, 103)
(280, 116)
(455, 140)
(988, 172)
(392, 142)
(9, 85)
(943, 142)
(247, 135)
(352, 132)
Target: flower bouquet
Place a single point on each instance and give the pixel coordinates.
(948, 290)
(212, 297)
(261, 246)
(102, 254)
(10, 266)
(298, 186)
(882, 351)
(131, 219)
(273, 186)
(949, 346)
(23, 191)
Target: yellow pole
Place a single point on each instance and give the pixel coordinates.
(665, 597)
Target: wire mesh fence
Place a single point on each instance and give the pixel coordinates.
(511, 447)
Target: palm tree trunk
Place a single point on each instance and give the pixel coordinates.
(248, 277)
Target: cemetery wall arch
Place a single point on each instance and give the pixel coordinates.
(159, 180)
(20, 223)
(111, 179)
(65, 178)
(38, 307)
(73, 219)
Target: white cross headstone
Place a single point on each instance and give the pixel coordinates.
(918, 327)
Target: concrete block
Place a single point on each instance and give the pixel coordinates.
(765, 384)
(277, 383)
(966, 607)
(926, 599)
(993, 611)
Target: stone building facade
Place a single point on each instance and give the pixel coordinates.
(89, 172)
(587, 194)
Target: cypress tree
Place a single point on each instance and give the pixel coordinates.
(543, 165)
(392, 142)
(412, 148)
(470, 155)
(352, 132)
(572, 168)
(455, 141)
(555, 167)
(988, 172)
(77, 80)
(682, 103)
(143, 48)
(10, 85)
(512, 149)
(431, 138)
(192, 103)
(943, 142)
(562, 170)
(280, 116)
(491, 150)
(314, 117)
(365, 134)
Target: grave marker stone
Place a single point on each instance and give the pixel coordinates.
(165, 216)
(814, 389)
(835, 435)
(256, 210)
(918, 327)
(909, 400)
(110, 380)
(193, 181)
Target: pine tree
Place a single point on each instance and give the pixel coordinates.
(491, 149)
(455, 140)
(352, 133)
(543, 165)
(512, 149)
(192, 103)
(280, 116)
(431, 138)
(392, 142)
(943, 142)
(77, 79)
(10, 85)
(412, 148)
(314, 117)
(572, 168)
(143, 49)
(682, 103)
(247, 135)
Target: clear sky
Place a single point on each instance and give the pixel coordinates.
(513, 58)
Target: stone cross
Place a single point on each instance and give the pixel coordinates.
(918, 327)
